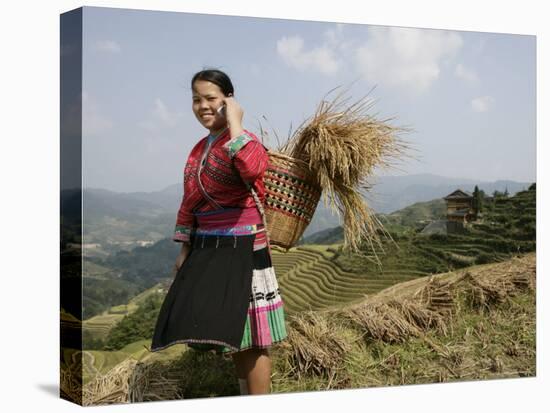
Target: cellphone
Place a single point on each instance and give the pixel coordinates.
(221, 110)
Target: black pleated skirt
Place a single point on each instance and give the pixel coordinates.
(208, 300)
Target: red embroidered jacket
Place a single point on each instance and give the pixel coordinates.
(224, 169)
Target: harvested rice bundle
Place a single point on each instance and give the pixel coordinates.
(380, 321)
(419, 315)
(342, 145)
(438, 296)
(109, 388)
(484, 294)
(151, 381)
(316, 347)
(133, 381)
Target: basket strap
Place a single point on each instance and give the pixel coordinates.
(262, 213)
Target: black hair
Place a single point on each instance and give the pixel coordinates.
(217, 77)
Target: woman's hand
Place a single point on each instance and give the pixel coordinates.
(233, 112)
(180, 260)
(182, 256)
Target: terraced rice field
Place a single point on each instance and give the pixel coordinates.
(100, 325)
(309, 279)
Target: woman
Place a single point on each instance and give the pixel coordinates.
(225, 296)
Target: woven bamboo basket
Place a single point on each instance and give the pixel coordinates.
(292, 195)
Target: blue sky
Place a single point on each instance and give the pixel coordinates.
(469, 96)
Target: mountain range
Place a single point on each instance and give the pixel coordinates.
(116, 221)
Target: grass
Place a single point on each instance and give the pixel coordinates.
(488, 332)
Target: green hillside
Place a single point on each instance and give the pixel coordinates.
(509, 218)
(415, 216)
(96, 329)
(114, 280)
(507, 225)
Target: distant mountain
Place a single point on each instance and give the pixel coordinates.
(391, 193)
(101, 202)
(326, 236)
(116, 221)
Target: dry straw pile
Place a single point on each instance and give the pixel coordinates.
(315, 346)
(133, 381)
(433, 306)
(483, 294)
(112, 387)
(343, 144)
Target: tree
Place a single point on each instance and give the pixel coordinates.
(475, 203)
(481, 199)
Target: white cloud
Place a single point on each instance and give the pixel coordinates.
(336, 40)
(322, 59)
(466, 74)
(166, 116)
(406, 57)
(334, 35)
(93, 121)
(108, 46)
(482, 103)
(161, 117)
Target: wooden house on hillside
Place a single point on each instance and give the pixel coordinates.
(460, 206)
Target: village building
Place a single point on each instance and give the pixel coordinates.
(460, 206)
(460, 211)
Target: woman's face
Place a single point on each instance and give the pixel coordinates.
(207, 98)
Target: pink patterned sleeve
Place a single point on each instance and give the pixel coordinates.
(249, 156)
